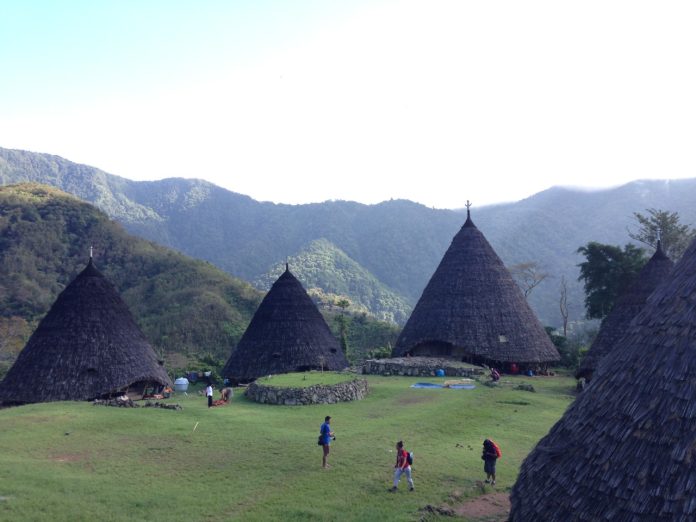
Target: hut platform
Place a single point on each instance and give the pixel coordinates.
(421, 367)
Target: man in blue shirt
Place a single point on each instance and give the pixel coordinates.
(326, 434)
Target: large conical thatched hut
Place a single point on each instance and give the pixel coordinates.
(87, 346)
(473, 310)
(625, 309)
(286, 334)
(625, 449)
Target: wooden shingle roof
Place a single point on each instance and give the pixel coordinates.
(286, 334)
(472, 302)
(625, 449)
(86, 346)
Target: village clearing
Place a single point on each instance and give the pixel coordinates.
(247, 461)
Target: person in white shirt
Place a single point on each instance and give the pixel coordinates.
(209, 394)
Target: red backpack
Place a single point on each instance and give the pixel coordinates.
(497, 448)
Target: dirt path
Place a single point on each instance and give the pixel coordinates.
(492, 507)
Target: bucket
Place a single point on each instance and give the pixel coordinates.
(181, 384)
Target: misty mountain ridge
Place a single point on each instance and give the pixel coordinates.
(396, 243)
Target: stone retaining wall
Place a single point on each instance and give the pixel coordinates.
(317, 394)
(420, 367)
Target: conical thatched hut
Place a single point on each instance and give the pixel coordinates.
(473, 310)
(286, 334)
(625, 449)
(626, 308)
(87, 346)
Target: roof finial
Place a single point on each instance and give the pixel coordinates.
(287, 265)
(659, 240)
(468, 212)
(91, 251)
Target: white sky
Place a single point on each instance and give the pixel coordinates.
(303, 101)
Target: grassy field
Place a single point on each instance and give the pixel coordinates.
(306, 379)
(247, 461)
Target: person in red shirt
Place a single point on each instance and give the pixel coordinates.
(402, 467)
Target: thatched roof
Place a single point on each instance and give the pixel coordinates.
(88, 345)
(473, 309)
(286, 334)
(626, 448)
(625, 309)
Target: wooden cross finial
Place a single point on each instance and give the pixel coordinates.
(468, 212)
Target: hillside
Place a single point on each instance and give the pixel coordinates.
(328, 273)
(183, 306)
(186, 308)
(398, 243)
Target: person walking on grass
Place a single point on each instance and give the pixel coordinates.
(325, 435)
(491, 453)
(209, 394)
(402, 467)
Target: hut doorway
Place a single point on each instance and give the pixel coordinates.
(432, 349)
(138, 390)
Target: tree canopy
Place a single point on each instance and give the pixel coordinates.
(665, 226)
(606, 273)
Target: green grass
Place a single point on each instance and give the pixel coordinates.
(247, 461)
(306, 379)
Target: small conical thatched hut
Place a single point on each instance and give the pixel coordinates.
(286, 334)
(626, 448)
(626, 308)
(87, 346)
(473, 310)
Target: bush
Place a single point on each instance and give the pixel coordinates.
(383, 352)
(567, 349)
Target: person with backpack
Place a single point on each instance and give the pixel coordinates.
(404, 459)
(325, 436)
(491, 453)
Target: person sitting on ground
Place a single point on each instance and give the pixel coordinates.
(226, 393)
(402, 466)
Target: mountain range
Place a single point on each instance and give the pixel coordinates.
(189, 310)
(379, 256)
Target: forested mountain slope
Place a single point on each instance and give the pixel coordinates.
(399, 243)
(188, 309)
(183, 305)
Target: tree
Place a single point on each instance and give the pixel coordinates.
(528, 276)
(343, 304)
(665, 226)
(563, 304)
(567, 349)
(607, 272)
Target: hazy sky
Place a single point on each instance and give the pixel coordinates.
(299, 101)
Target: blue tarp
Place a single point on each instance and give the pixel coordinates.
(434, 385)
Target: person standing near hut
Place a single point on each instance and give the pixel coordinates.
(209, 394)
(326, 435)
(490, 455)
